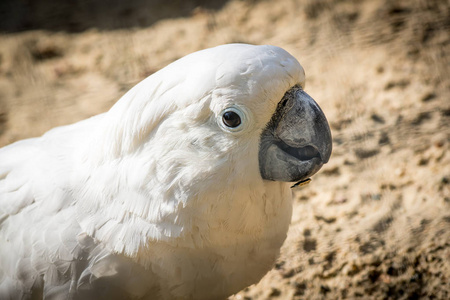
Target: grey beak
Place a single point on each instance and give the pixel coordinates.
(297, 140)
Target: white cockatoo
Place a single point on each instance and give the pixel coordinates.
(180, 191)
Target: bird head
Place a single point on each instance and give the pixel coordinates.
(213, 132)
(235, 99)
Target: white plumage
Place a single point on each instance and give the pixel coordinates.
(152, 199)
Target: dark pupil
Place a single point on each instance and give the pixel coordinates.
(231, 119)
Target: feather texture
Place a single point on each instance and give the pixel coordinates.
(152, 199)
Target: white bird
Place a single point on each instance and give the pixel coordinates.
(180, 191)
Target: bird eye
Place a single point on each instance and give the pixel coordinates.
(231, 119)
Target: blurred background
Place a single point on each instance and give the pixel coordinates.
(375, 222)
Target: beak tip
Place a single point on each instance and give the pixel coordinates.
(326, 146)
(327, 154)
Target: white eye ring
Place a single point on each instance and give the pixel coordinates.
(240, 111)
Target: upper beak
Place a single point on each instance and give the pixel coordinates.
(297, 140)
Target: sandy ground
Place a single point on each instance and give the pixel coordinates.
(375, 222)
